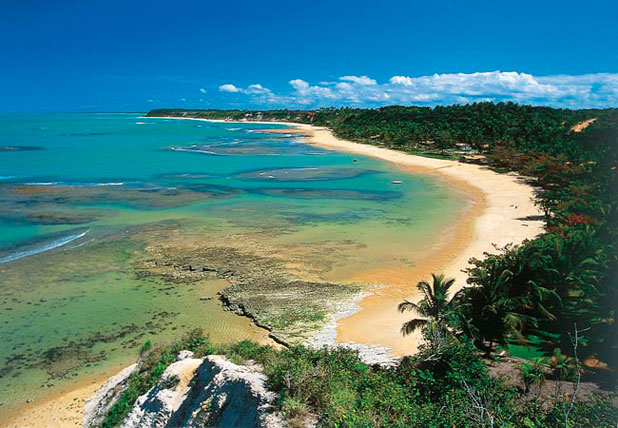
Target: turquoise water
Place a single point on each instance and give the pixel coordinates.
(84, 197)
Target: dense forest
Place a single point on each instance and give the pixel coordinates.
(556, 294)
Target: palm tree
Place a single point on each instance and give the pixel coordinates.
(494, 314)
(510, 293)
(438, 314)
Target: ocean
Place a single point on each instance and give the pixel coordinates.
(91, 203)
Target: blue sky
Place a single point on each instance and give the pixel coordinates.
(94, 55)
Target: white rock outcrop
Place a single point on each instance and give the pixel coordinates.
(97, 407)
(205, 392)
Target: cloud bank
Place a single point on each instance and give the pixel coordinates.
(583, 91)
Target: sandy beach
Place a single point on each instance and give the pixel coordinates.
(64, 409)
(498, 215)
(502, 205)
(502, 212)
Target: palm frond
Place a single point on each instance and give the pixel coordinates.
(412, 325)
(407, 305)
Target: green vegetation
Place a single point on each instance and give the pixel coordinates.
(153, 362)
(558, 291)
(438, 313)
(532, 374)
(450, 388)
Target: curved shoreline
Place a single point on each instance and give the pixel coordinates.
(502, 206)
(499, 203)
(501, 212)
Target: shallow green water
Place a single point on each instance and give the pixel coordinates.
(83, 195)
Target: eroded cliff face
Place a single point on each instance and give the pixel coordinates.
(97, 407)
(196, 393)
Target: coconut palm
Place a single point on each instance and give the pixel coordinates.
(438, 314)
(494, 311)
(510, 294)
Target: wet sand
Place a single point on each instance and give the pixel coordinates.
(62, 409)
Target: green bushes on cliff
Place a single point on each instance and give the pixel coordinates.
(152, 363)
(446, 388)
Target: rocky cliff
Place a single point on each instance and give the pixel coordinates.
(194, 393)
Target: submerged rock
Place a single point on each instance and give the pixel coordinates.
(263, 287)
(195, 393)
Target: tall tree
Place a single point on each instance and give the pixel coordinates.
(438, 314)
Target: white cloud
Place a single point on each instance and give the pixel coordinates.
(591, 90)
(256, 88)
(253, 89)
(299, 85)
(304, 89)
(203, 91)
(359, 80)
(401, 80)
(476, 84)
(228, 87)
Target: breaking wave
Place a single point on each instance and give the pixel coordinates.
(49, 246)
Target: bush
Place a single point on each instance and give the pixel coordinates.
(532, 374)
(451, 388)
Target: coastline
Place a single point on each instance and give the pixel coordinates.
(502, 205)
(502, 212)
(499, 204)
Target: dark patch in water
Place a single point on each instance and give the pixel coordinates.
(34, 197)
(302, 174)
(343, 217)
(19, 148)
(304, 193)
(63, 360)
(47, 218)
(251, 148)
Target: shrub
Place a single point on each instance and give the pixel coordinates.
(532, 374)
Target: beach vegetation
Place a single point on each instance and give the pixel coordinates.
(439, 314)
(448, 387)
(535, 294)
(532, 374)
